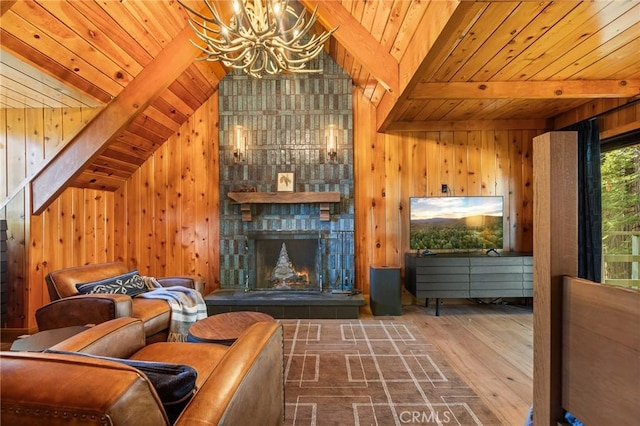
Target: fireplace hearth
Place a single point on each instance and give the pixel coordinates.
(286, 304)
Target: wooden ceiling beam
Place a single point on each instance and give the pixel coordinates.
(358, 42)
(567, 89)
(5, 5)
(94, 138)
(447, 21)
(465, 125)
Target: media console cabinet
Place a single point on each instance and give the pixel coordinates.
(468, 276)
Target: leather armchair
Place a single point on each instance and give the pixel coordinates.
(240, 384)
(69, 308)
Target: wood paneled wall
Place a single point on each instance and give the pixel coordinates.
(390, 168)
(76, 229)
(166, 215)
(163, 221)
(28, 138)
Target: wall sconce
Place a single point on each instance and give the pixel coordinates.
(239, 144)
(332, 143)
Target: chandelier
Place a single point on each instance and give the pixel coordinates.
(262, 37)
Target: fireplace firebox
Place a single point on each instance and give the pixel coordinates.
(285, 260)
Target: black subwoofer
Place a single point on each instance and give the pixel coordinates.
(385, 290)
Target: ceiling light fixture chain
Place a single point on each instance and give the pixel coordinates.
(262, 37)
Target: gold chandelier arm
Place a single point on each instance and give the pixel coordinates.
(257, 66)
(277, 58)
(202, 30)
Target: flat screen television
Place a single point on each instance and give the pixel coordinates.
(456, 223)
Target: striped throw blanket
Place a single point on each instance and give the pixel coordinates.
(187, 307)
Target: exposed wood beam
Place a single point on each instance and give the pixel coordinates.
(555, 244)
(358, 42)
(570, 89)
(23, 184)
(432, 126)
(5, 5)
(448, 20)
(620, 130)
(94, 138)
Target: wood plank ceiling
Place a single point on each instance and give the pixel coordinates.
(424, 64)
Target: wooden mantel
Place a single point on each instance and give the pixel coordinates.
(245, 199)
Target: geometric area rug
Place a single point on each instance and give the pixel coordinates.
(372, 372)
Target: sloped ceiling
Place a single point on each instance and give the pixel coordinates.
(425, 65)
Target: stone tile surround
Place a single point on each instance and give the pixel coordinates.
(286, 117)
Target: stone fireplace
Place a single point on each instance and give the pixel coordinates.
(289, 258)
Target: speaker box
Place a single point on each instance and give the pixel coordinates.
(385, 292)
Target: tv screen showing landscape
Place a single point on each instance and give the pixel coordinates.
(456, 223)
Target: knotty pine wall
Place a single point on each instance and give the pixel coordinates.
(74, 230)
(390, 168)
(28, 137)
(166, 215)
(159, 221)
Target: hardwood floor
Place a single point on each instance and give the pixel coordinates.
(489, 345)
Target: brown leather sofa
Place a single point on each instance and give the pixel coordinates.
(69, 308)
(241, 384)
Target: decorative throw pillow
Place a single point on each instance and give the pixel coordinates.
(175, 384)
(130, 284)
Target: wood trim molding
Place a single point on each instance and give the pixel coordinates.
(569, 89)
(596, 108)
(5, 5)
(433, 126)
(629, 127)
